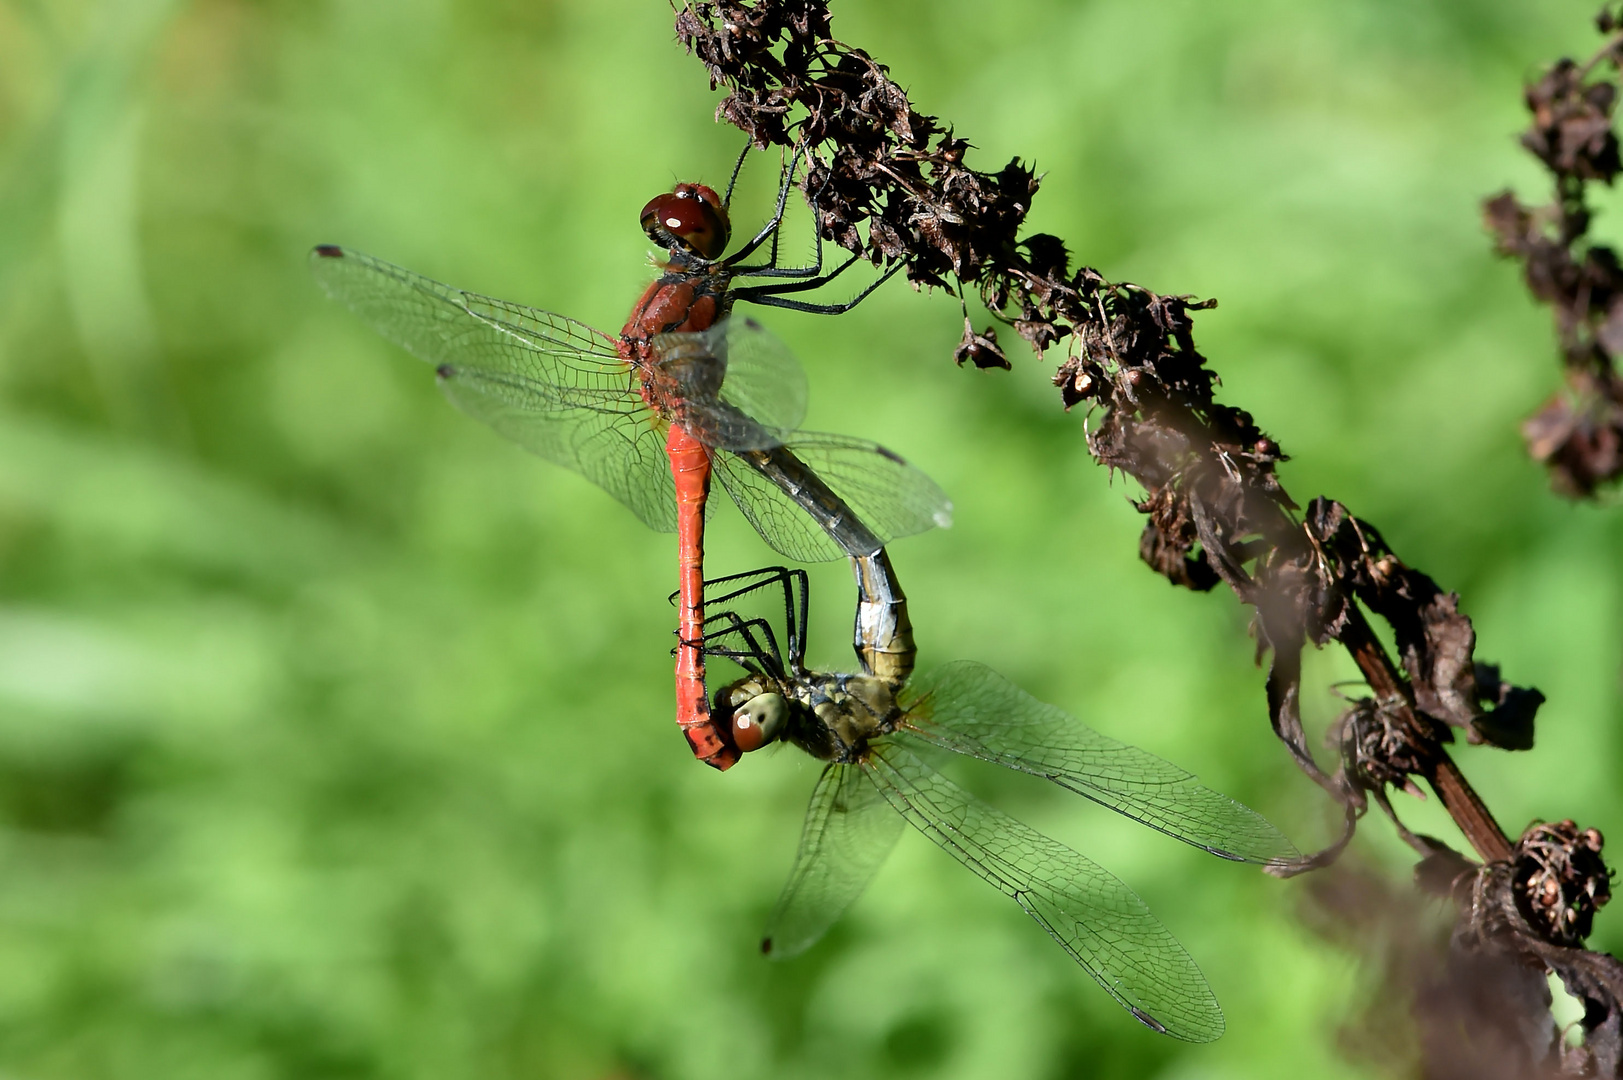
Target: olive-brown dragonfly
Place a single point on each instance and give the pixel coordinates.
(882, 733)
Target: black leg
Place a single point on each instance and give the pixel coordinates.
(764, 578)
(738, 167)
(796, 601)
(770, 229)
(767, 575)
(767, 295)
(771, 268)
(751, 653)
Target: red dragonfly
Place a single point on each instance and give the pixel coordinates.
(683, 392)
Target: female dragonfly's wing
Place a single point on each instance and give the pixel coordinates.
(554, 386)
(970, 709)
(819, 497)
(850, 829)
(1098, 920)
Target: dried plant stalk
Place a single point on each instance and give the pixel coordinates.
(889, 183)
(1578, 434)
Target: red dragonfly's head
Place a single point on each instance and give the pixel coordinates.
(691, 219)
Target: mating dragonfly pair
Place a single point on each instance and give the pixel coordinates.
(686, 392)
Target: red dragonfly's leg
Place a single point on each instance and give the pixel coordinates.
(690, 468)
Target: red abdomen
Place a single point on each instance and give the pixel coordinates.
(682, 305)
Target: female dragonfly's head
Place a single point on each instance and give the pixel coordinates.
(691, 219)
(752, 712)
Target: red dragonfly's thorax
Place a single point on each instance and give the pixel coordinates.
(677, 301)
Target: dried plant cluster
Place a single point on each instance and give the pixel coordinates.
(1578, 433)
(891, 184)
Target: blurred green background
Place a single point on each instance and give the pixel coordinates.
(335, 733)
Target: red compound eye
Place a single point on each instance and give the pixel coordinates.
(690, 217)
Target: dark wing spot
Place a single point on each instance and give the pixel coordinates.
(329, 251)
(446, 371)
(766, 946)
(751, 323)
(1147, 1020)
(893, 455)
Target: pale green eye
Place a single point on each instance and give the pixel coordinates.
(759, 720)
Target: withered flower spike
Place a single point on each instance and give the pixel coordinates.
(1578, 434)
(892, 184)
(1216, 508)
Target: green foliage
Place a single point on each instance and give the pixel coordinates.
(335, 733)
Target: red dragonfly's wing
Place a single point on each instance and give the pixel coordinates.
(784, 494)
(735, 386)
(1095, 917)
(553, 385)
(763, 378)
(970, 709)
(849, 831)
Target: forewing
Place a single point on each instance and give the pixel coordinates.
(622, 453)
(551, 384)
(734, 386)
(763, 380)
(889, 497)
(782, 523)
(686, 380)
(1095, 917)
(971, 709)
(850, 829)
(892, 498)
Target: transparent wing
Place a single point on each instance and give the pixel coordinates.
(970, 709)
(764, 380)
(850, 829)
(819, 497)
(733, 386)
(623, 453)
(759, 376)
(554, 386)
(1095, 917)
(562, 359)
